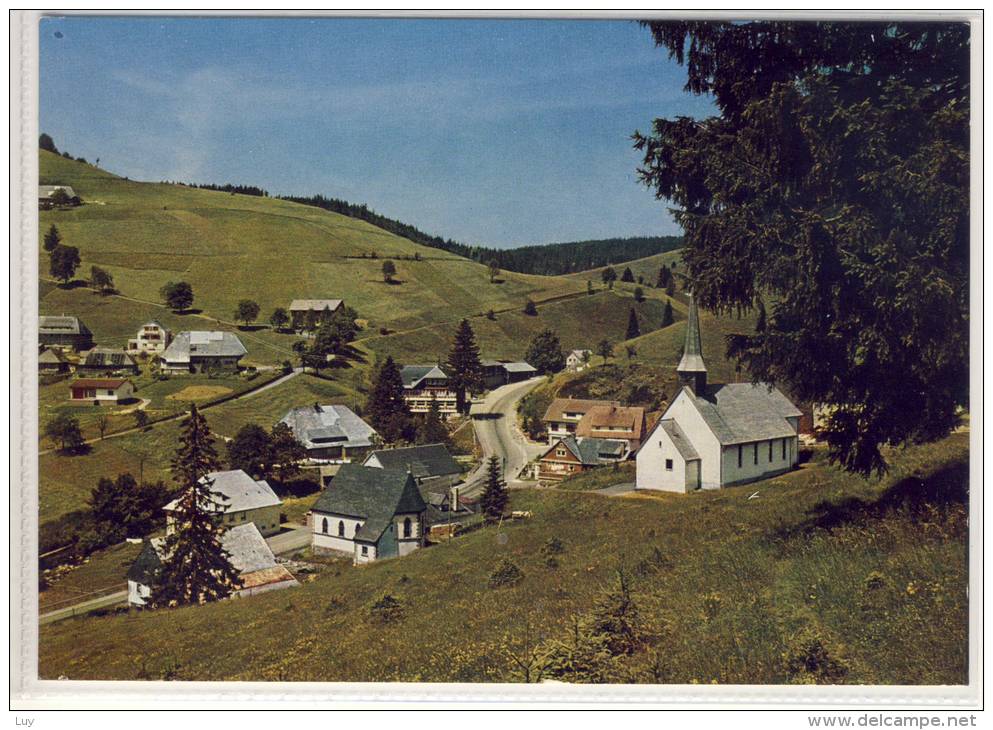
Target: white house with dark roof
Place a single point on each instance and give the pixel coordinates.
(713, 436)
(152, 337)
(305, 314)
(368, 513)
(578, 360)
(330, 433)
(250, 555)
(240, 500)
(198, 352)
(424, 383)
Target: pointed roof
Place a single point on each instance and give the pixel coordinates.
(692, 361)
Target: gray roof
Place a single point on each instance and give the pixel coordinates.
(692, 360)
(318, 426)
(238, 492)
(203, 344)
(745, 412)
(314, 305)
(611, 448)
(586, 450)
(108, 357)
(46, 191)
(245, 545)
(61, 325)
(48, 355)
(679, 440)
(432, 460)
(412, 375)
(370, 494)
(519, 367)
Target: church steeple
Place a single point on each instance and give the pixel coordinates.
(691, 369)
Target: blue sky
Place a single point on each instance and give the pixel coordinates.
(490, 132)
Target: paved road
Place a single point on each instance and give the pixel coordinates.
(288, 542)
(111, 599)
(498, 435)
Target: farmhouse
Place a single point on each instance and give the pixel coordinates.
(330, 433)
(564, 414)
(497, 373)
(64, 331)
(613, 422)
(48, 199)
(250, 555)
(578, 360)
(101, 390)
(199, 352)
(431, 464)
(422, 383)
(305, 314)
(570, 456)
(369, 513)
(712, 436)
(152, 337)
(240, 499)
(108, 360)
(51, 360)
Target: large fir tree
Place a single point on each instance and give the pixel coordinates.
(667, 316)
(466, 371)
(833, 183)
(195, 568)
(494, 498)
(634, 330)
(386, 408)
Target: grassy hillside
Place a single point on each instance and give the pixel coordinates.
(821, 578)
(232, 247)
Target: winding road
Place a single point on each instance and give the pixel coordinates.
(497, 432)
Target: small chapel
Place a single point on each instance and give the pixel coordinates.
(717, 435)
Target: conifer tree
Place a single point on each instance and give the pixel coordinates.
(634, 330)
(466, 371)
(494, 498)
(667, 317)
(195, 568)
(52, 239)
(627, 276)
(386, 408)
(432, 429)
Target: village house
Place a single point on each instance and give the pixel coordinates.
(51, 360)
(250, 555)
(368, 513)
(305, 314)
(430, 464)
(578, 360)
(330, 433)
(570, 456)
(152, 337)
(101, 390)
(107, 360)
(46, 195)
(713, 436)
(64, 331)
(613, 422)
(240, 500)
(422, 383)
(499, 372)
(203, 352)
(564, 414)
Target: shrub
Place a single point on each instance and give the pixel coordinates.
(387, 609)
(809, 661)
(553, 546)
(506, 574)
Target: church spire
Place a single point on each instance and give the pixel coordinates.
(691, 369)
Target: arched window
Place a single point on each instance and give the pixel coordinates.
(324, 525)
(341, 528)
(357, 526)
(406, 527)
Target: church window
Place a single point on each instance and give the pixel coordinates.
(756, 459)
(324, 525)
(770, 451)
(740, 447)
(784, 449)
(357, 526)
(668, 464)
(341, 528)
(406, 527)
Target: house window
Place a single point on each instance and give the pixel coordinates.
(756, 460)
(784, 449)
(668, 464)
(739, 455)
(341, 528)
(571, 467)
(560, 452)
(324, 525)
(770, 451)
(365, 550)
(406, 527)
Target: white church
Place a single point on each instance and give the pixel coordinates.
(714, 436)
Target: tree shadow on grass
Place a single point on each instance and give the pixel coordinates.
(917, 494)
(253, 327)
(74, 284)
(186, 312)
(391, 282)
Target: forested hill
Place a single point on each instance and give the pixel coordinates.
(549, 259)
